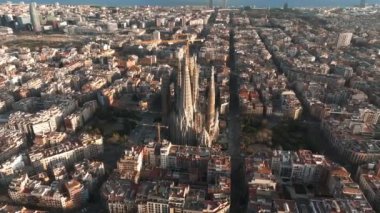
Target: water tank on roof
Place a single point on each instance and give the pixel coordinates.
(371, 165)
(286, 207)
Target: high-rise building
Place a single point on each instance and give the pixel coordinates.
(210, 3)
(286, 6)
(35, 17)
(224, 3)
(362, 3)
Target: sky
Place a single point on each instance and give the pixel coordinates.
(258, 3)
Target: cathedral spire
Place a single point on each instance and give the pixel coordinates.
(211, 101)
(186, 94)
(195, 82)
(178, 84)
(190, 124)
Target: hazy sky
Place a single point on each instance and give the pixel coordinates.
(258, 3)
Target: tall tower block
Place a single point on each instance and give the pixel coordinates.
(210, 4)
(224, 3)
(35, 17)
(362, 3)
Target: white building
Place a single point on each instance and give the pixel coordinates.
(6, 31)
(344, 39)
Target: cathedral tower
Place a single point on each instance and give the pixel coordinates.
(211, 102)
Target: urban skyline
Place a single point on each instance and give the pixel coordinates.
(205, 109)
(217, 3)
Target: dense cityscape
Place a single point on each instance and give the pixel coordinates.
(191, 109)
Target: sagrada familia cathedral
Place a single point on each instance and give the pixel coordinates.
(190, 122)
